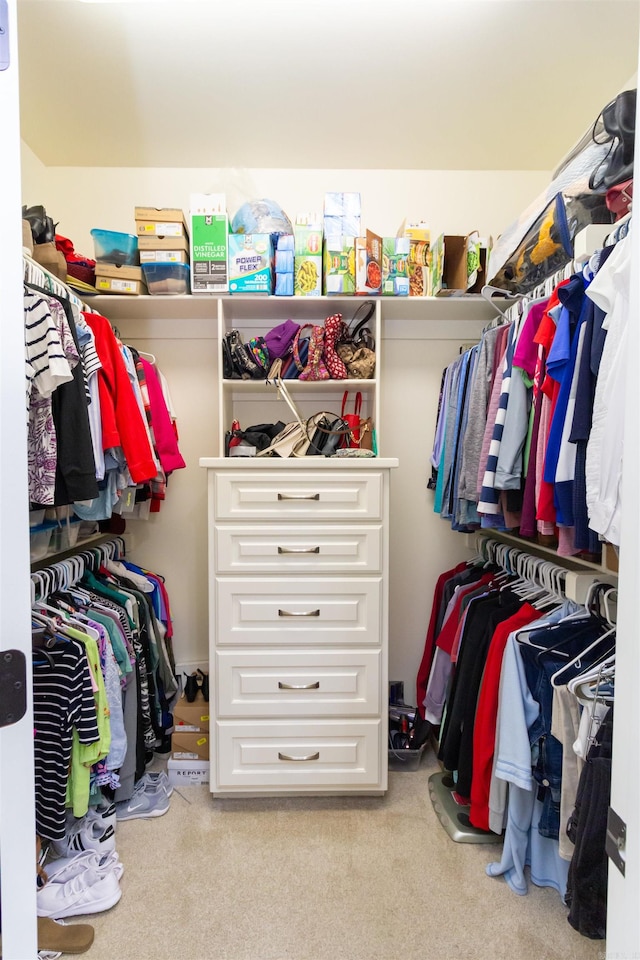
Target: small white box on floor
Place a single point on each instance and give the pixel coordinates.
(187, 773)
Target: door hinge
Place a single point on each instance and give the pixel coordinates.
(616, 842)
(13, 687)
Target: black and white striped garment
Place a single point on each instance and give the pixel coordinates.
(46, 365)
(62, 699)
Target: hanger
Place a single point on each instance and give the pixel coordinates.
(488, 292)
(560, 678)
(147, 356)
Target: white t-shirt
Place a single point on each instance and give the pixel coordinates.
(610, 291)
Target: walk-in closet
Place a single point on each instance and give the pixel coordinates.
(403, 672)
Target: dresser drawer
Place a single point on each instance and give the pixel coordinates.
(298, 495)
(293, 548)
(303, 683)
(326, 754)
(324, 610)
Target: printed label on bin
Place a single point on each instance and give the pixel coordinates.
(187, 728)
(204, 718)
(161, 256)
(127, 286)
(187, 755)
(201, 741)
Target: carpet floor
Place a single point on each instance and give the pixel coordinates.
(336, 878)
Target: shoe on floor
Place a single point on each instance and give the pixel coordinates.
(68, 867)
(89, 892)
(58, 936)
(104, 813)
(157, 780)
(86, 835)
(143, 804)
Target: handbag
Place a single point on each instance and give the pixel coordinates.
(333, 330)
(361, 429)
(315, 368)
(280, 338)
(619, 122)
(329, 433)
(238, 361)
(356, 346)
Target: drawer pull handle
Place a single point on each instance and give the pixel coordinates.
(298, 613)
(298, 496)
(298, 686)
(312, 756)
(298, 549)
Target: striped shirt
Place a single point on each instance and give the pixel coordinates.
(46, 365)
(62, 699)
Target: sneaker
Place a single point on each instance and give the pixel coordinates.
(86, 835)
(104, 813)
(89, 892)
(143, 804)
(68, 867)
(157, 780)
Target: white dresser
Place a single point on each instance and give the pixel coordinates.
(298, 614)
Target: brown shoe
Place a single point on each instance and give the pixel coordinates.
(61, 937)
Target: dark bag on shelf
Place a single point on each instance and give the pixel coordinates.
(619, 122)
(238, 360)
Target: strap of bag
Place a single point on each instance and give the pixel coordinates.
(296, 349)
(284, 393)
(357, 405)
(370, 307)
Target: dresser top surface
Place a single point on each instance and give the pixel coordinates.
(299, 463)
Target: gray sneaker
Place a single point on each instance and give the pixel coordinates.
(157, 780)
(143, 804)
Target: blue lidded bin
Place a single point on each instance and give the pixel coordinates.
(113, 247)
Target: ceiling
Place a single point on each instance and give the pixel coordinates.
(416, 84)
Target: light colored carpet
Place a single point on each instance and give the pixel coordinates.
(321, 879)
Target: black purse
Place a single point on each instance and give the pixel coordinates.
(619, 123)
(238, 362)
(328, 436)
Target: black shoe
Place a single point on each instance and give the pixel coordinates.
(191, 687)
(205, 684)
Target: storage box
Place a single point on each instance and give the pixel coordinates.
(308, 257)
(451, 265)
(160, 222)
(39, 541)
(406, 760)
(209, 243)
(160, 215)
(113, 247)
(187, 773)
(163, 249)
(250, 263)
(339, 265)
(395, 266)
(112, 278)
(189, 746)
(166, 278)
(368, 264)
(191, 717)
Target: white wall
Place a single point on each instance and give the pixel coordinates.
(174, 542)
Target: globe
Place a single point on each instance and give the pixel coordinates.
(261, 216)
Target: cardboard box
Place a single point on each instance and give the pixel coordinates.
(161, 228)
(112, 278)
(209, 243)
(189, 746)
(187, 773)
(308, 276)
(191, 717)
(368, 265)
(450, 265)
(162, 214)
(395, 266)
(419, 235)
(163, 249)
(250, 263)
(339, 274)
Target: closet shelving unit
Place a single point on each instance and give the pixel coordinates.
(207, 316)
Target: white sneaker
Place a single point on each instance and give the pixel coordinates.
(68, 867)
(89, 892)
(104, 813)
(143, 804)
(84, 835)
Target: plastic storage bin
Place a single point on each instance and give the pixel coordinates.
(39, 541)
(113, 247)
(166, 278)
(407, 760)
